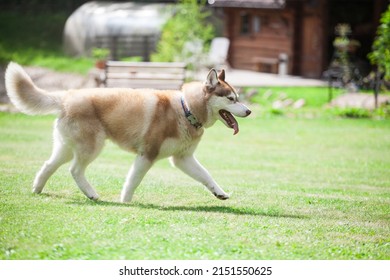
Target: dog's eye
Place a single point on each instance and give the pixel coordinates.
(231, 98)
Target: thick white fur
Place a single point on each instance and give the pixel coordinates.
(26, 96)
(148, 122)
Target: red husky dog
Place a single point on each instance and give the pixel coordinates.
(152, 123)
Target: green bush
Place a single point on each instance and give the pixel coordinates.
(100, 53)
(380, 54)
(187, 25)
(132, 59)
(382, 113)
(353, 113)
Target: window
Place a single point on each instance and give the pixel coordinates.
(256, 24)
(245, 28)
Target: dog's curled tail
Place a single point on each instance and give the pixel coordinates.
(26, 96)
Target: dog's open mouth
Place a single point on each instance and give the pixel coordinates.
(229, 120)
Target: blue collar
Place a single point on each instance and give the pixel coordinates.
(190, 117)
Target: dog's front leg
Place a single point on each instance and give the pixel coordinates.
(137, 172)
(194, 169)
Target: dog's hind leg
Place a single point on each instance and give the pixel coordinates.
(61, 154)
(137, 172)
(190, 166)
(78, 173)
(79, 165)
(84, 154)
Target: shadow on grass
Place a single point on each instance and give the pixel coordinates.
(244, 211)
(223, 209)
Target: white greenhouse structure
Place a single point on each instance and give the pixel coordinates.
(126, 29)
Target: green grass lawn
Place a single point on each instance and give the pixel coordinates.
(301, 189)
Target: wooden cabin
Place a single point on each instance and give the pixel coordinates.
(298, 34)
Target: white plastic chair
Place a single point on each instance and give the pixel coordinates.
(218, 53)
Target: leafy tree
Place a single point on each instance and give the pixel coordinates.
(187, 25)
(380, 54)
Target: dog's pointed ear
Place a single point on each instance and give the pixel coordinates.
(221, 75)
(212, 79)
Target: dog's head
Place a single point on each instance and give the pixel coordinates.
(223, 100)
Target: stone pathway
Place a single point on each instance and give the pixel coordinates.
(359, 100)
(246, 78)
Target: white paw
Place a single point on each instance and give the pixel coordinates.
(36, 190)
(94, 197)
(222, 196)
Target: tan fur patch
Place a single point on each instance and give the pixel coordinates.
(163, 126)
(122, 116)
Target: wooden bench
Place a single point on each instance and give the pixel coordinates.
(158, 75)
(266, 64)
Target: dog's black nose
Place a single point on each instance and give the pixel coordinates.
(248, 112)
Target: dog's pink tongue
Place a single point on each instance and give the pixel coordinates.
(235, 127)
